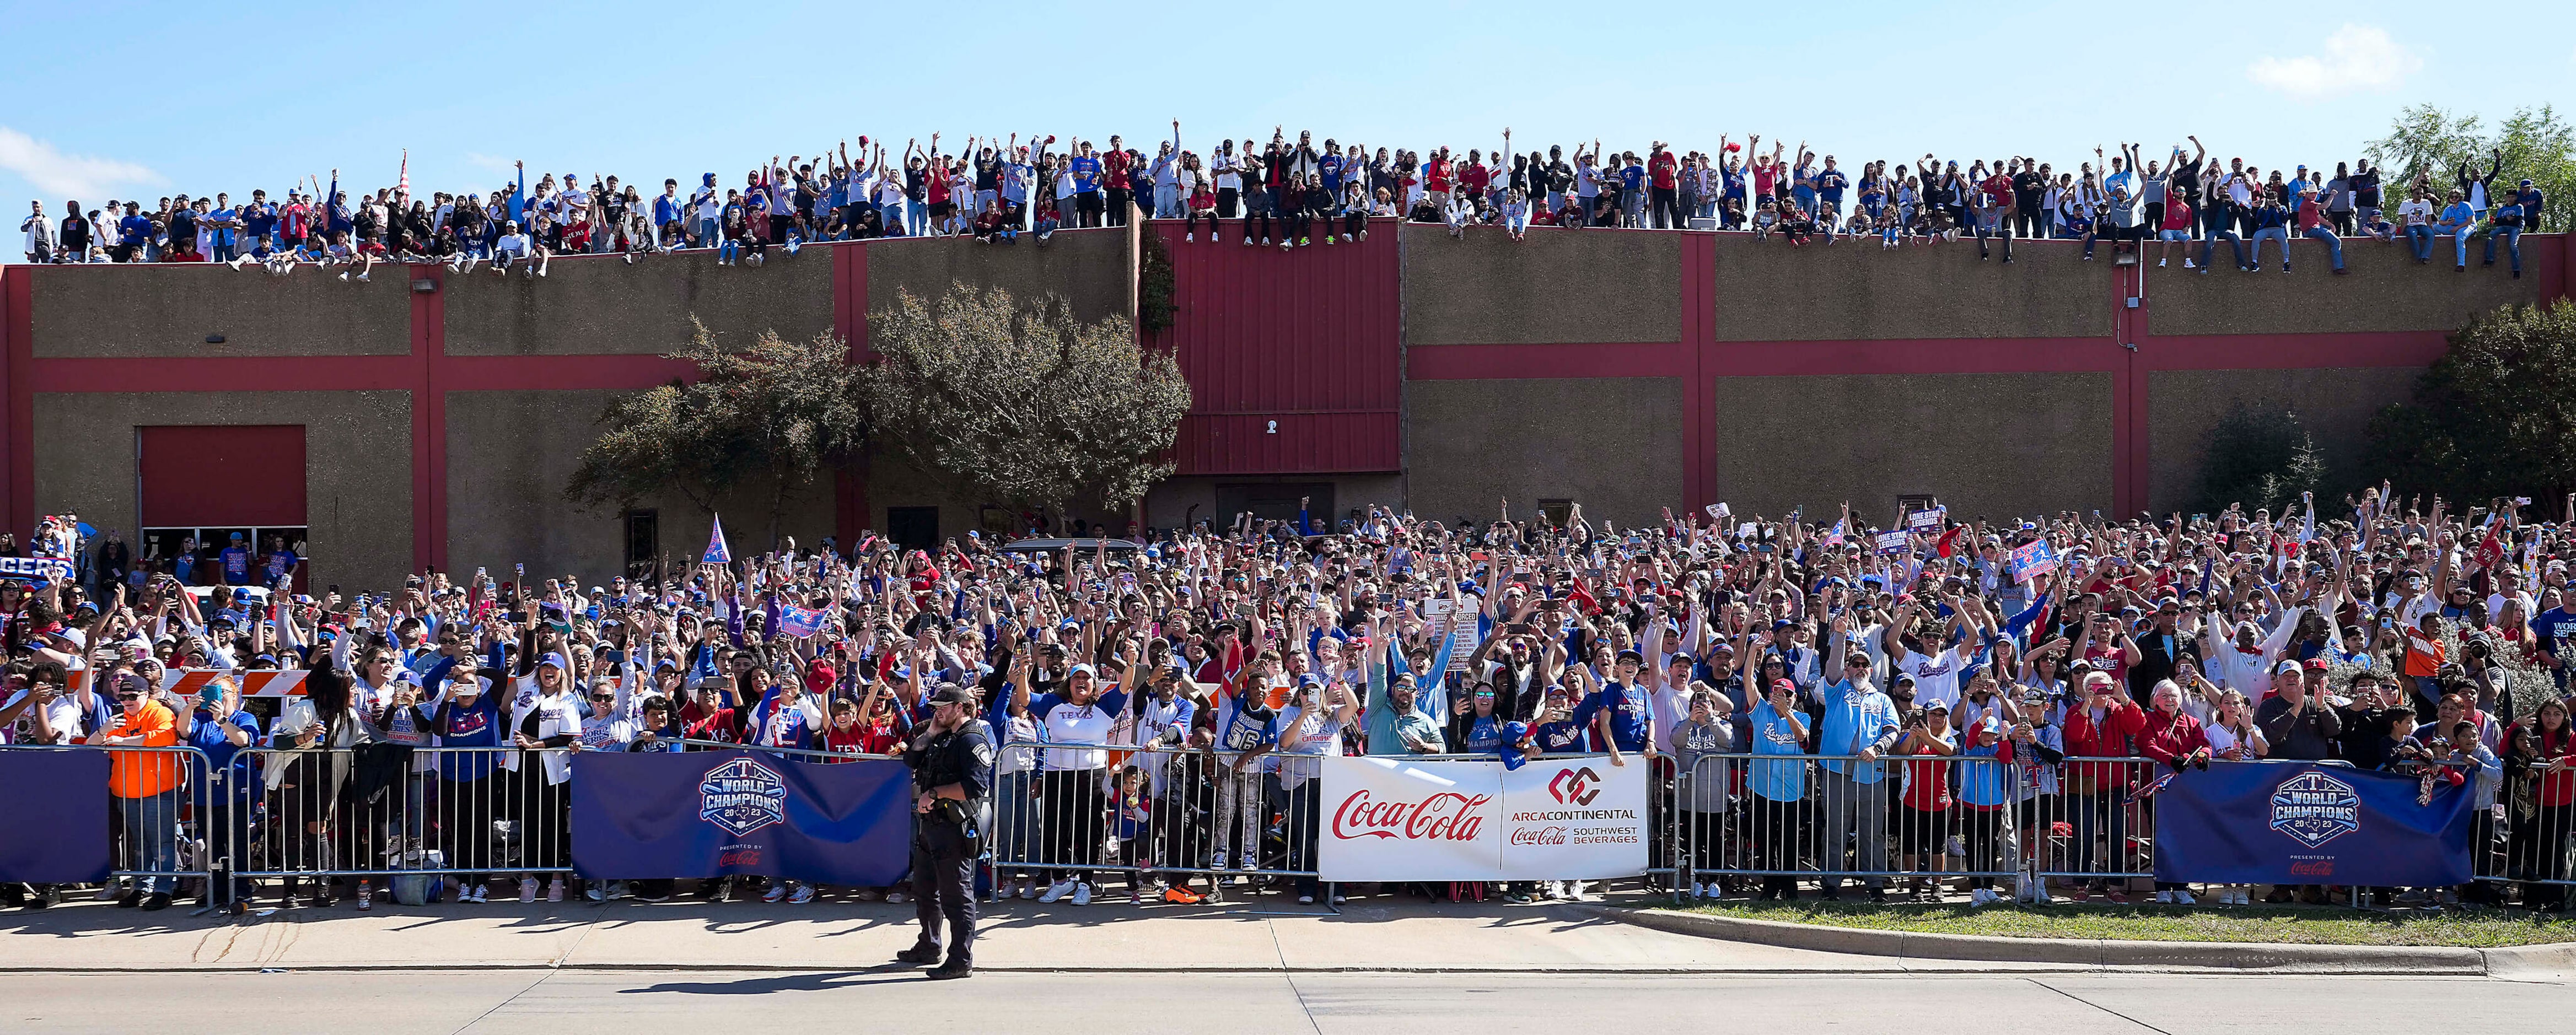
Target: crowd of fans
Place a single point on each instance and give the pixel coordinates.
(1296, 193)
(2392, 634)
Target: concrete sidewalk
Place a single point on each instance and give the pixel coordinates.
(1262, 935)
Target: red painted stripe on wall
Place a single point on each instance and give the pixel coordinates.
(1923, 356)
(1510, 362)
(1699, 389)
(2292, 351)
(428, 421)
(18, 402)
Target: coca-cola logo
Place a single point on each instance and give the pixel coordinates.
(2312, 868)
(1538, 836)
(1575, 786)
(1446, 816)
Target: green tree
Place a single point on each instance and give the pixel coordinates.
(786, 409)
(2495, 416)
(2260, 455)
(2534, 144)
(1022, 404)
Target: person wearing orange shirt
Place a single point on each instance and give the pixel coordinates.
(2423, 661)
(145, 786)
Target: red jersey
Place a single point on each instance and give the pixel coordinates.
(1927, 784)
(859, 740)
(1435, 175)
(1661, 168)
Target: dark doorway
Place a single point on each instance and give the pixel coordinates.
(913, 528)
(643, 543)
(1276, 502)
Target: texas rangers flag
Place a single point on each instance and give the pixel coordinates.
(797, 621)
(716, 552)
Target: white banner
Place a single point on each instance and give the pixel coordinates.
(34, 569)
(1574, 819)
(1389, 819)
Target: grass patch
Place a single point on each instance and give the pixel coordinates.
(2469, 928)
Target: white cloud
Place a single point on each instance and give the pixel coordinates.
(54, 172)
(2356, 58)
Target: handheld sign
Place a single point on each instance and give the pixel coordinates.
(2031, 560)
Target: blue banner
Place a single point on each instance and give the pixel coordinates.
(718, 813)
(57, 829)
(2306, 823)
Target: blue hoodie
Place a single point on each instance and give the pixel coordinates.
(1856, 716)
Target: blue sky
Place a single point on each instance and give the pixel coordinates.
(148, 98)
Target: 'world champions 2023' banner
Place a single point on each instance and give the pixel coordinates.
(2305, 823)
(720, 813)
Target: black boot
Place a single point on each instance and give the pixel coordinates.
(920, 953)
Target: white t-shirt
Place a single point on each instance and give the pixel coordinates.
(1936, 678)
(2415, 212)
(2496, 602)
(1068, 723)
(558, 715)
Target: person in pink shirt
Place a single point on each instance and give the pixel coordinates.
(2312, 223)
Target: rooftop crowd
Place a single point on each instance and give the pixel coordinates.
(2403, 634)
(1286, 192)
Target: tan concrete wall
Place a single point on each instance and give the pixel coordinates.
(2334, 405)
(511, 453)
(1993, 444)
(1611, 444)
(357, 466)
(2386, 291)
(158, 311)
(1854, 290)
(1092, 269)
(1555, 285)
(600, 305)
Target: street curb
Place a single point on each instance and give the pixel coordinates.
(810, 967)
(2528, 961)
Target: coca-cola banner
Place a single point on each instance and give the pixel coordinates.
(1390, 819)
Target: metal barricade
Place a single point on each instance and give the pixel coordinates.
(1092, 812)
(2091, 832)
(2523, 846)
(156, 798)
(1782, 819)
(390, 811)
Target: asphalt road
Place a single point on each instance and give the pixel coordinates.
(640, 1003)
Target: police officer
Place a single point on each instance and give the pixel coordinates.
(952, 773)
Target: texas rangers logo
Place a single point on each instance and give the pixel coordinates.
(742, 796)
(1575, 786)
(2313, 808)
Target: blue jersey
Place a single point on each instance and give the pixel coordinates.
(1560, 738)
(1238, 729)
(1627, 706)
(207, 735)
(2556, 629)
(1485, 734)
